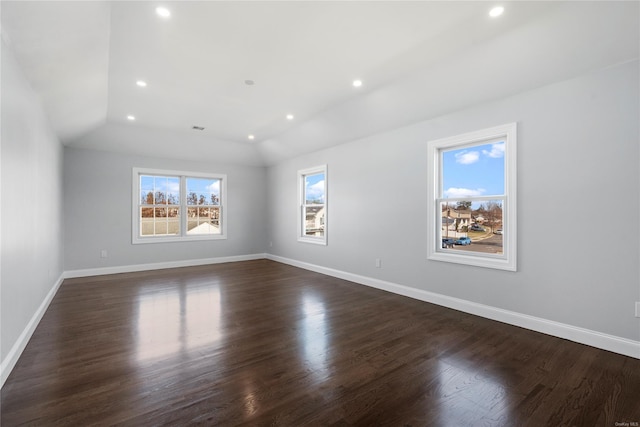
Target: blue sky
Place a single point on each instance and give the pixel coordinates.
(473, 171)
(171, 186)
(204, 186)
(166, 185)
(314, 187)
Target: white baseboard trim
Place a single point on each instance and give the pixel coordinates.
(12, 357)
(158, 265)
(596, 339)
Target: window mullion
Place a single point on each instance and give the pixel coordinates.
(183, 206)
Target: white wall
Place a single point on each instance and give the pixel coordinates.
(578, 171)
(97, 203)
(32, 254)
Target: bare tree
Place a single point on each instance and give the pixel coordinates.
(192, 199)
(148, 199)
(173, 199)
(463, 204)
(494, 214)
(160, 198)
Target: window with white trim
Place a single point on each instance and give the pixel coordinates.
(312, 202)
(173, 206)
(472, 198)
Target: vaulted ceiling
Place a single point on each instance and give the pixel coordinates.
(239, 68)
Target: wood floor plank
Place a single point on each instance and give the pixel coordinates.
(261, 343)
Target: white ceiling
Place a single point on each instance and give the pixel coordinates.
(417, 59)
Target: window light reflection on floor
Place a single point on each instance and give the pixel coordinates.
(313, 337)
(181, 320)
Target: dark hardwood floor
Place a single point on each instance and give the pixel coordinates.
(262, 343)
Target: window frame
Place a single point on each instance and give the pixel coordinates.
(506, 261)
(302, 174)
(137, 238)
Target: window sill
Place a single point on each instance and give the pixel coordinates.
(155, 239)
(313, 240)
(483, 260)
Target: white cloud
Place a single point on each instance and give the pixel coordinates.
(454, 192)
(467, 157)
(173, 187)
(316, 191)
(214, 187)
(497, 150)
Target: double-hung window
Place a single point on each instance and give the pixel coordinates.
(312, 197)
(472, 198)
(170, 206)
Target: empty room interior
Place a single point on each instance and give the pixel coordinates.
(295, 213)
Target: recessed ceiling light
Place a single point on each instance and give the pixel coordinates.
(163, 12)
(251, 137)
(496, 11)
(357, 83)
(289, 116)
(130, 117)
(141, 83)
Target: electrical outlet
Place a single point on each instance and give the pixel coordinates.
(378, 263)
(103, 253)
(637, 309)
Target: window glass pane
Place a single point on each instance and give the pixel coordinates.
(203, 191)
(203, 220)
(159, 221)
(472, 226)
(160, 186)
(214, 214)
(314, 221)
(173, 221)
(173, 190)
(473, 171)
(146, 222)
(160, 213)
(146, 190)
(314, 189)
(160, 227)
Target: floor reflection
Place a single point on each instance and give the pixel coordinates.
(177, 320)
(203, 317)
(313, 336)
(250, 399)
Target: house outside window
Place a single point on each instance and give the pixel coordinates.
(472, 198)
(312, 201)
(171, 206)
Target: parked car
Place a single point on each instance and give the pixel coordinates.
(498, 231)
(447, 243)
(463, 241)
(476, 227)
